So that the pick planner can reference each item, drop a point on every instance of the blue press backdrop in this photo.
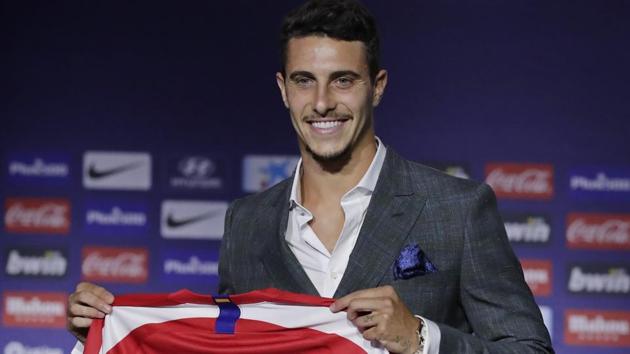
(471, 82)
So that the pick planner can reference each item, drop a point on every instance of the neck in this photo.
(330, 180)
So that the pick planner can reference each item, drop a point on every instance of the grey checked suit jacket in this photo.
(478, 296)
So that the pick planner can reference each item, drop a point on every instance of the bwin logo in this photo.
(528, 229)
(613, 281)
(47, 263)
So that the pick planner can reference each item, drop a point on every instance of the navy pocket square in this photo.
(412, 262)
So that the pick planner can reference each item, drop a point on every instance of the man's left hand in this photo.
(381, 315)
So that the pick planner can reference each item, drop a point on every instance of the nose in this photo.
(324, 102)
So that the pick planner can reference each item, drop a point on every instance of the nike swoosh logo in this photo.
(174, 223)
(95, 173)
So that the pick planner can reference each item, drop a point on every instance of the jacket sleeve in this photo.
(498, 303)
(225, 279)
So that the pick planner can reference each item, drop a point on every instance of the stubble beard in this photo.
(336, 160)
(332, 157)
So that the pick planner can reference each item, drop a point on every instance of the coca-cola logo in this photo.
(526, 181)
(111, 264)
(37, 215)
(598, 231)
(28, 309)
(597, 328)
(537, 274)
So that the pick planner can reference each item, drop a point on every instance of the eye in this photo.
(344, 82)
(303, 81)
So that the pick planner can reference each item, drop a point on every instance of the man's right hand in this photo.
(89, 301)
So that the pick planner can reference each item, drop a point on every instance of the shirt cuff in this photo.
(432, 336)
(78, 348)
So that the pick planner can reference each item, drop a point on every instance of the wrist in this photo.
(416, 342)
(420, 337)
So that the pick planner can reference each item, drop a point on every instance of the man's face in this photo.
(329, 94)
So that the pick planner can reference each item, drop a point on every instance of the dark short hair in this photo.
(346, 20)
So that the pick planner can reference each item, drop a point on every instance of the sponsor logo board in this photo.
(38, 169)
(113, 264)
(603, 183)
(40, 262)
(189, 265)
(37, 215)
(599, 279)
(116, 217)
(527, 228)
(538, 275)
(17, 347)
(188, 219)
(597, 328)
(263, 171)
(598, 231)
(521, 180)
(117, 170)
(34, 309)
(196, 173)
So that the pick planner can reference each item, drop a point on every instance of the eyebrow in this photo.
(338, 74)
(295, 74)
(334, 75)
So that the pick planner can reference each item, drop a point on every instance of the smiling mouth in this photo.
(329, 124)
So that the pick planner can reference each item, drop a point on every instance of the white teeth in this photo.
(326, 124)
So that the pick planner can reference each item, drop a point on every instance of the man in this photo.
(418, 260)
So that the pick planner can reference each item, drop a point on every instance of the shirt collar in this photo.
(367, 182)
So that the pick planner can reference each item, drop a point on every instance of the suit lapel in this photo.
(392, 212)
(281, 264)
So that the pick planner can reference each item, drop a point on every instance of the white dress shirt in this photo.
(325, 269)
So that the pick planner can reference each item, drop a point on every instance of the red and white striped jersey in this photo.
(263, 321)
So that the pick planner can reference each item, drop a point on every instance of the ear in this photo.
(283, 88)
(380, 82)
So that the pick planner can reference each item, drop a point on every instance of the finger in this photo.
(366, 321)
(372, 334)
(360, 306)
(342, 302)
(104, 294)
(80, 322)
(382, 333)
(96, 290)
(77, 310)
(91, 300)
(393, 344)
